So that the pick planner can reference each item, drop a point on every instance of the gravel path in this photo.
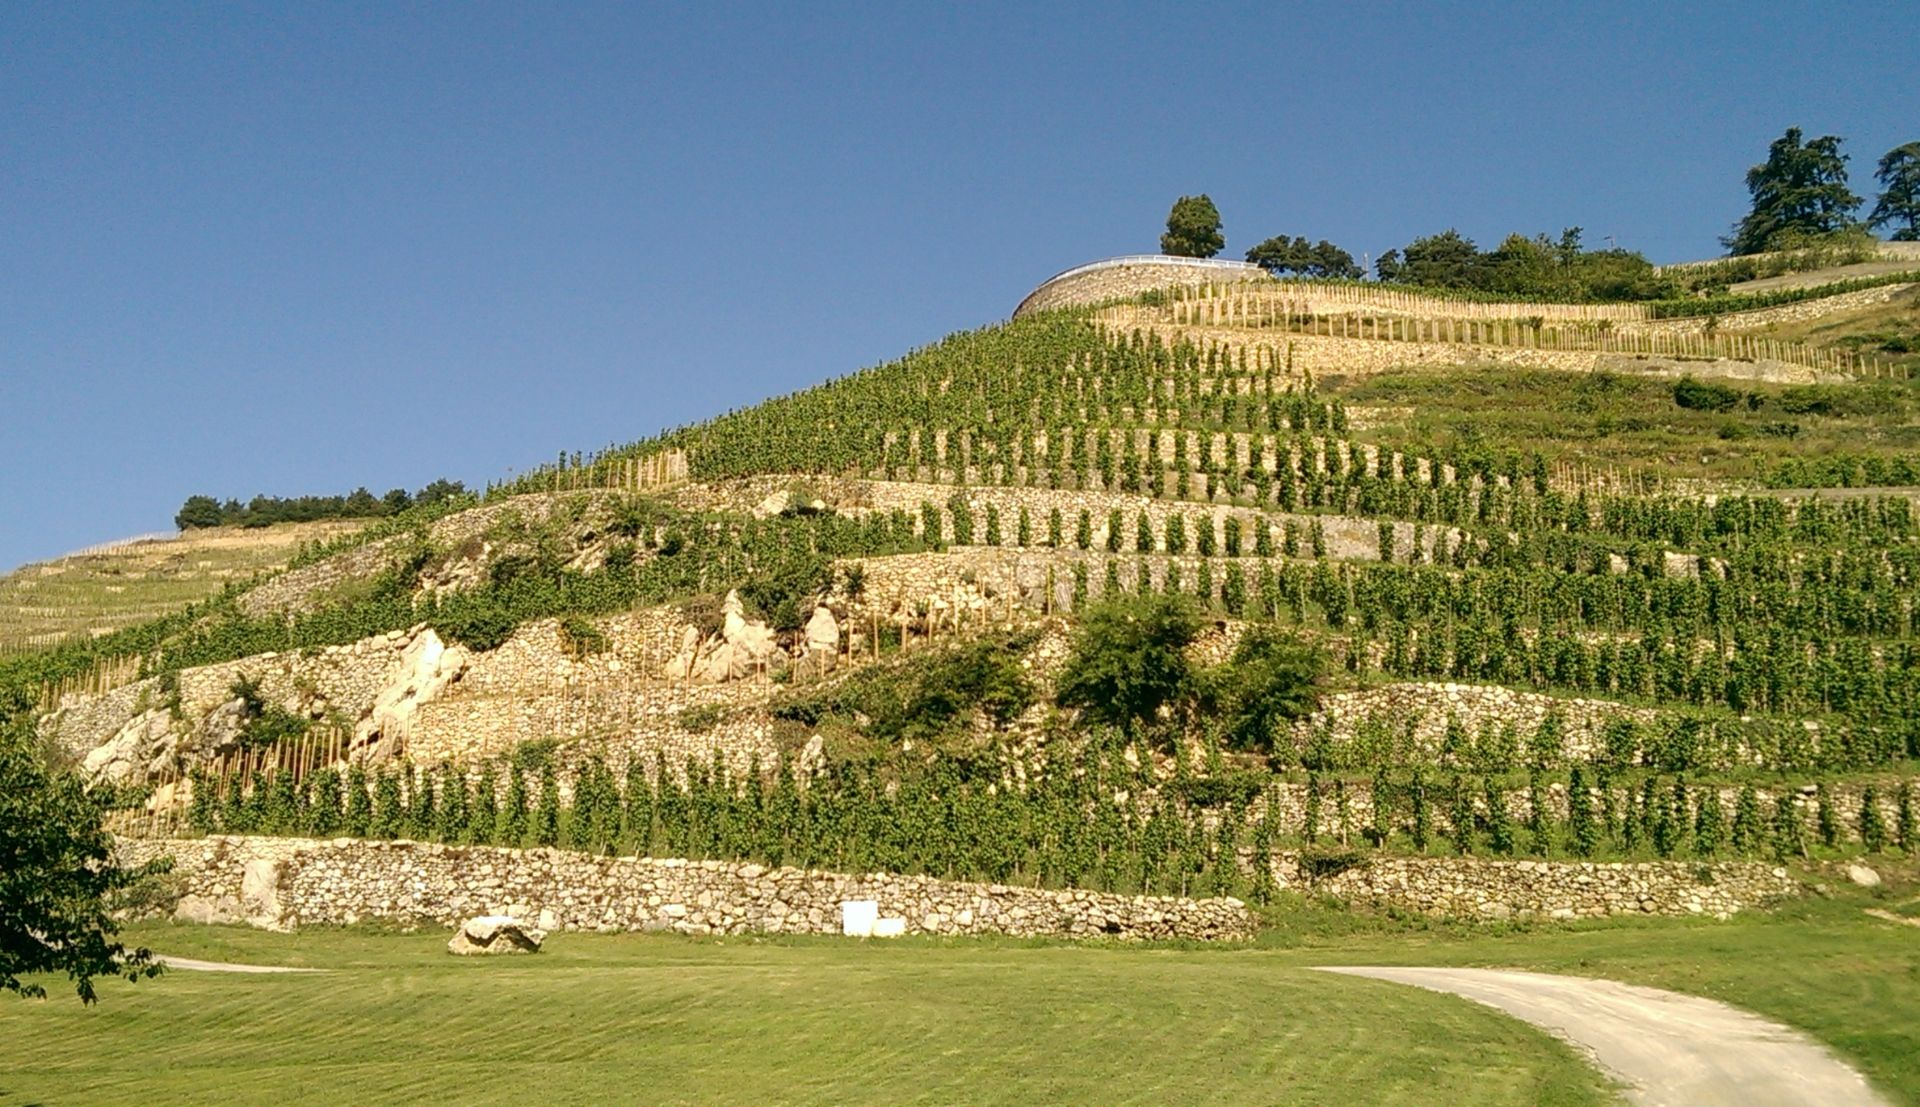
(191, 965)
(1668, 1048)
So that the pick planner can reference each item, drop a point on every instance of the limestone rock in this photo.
(426, 667)
(133, 750)
(1863, 876)
(495, 934)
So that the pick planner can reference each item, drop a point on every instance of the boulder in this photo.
(495, 934)
(1863, 876)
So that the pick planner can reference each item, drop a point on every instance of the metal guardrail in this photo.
(1151, 259)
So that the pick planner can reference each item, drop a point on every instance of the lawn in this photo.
(660, 1019)
(663, 1019)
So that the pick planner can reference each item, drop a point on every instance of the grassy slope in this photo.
(1626, 422)
(659, 1019)
(103, 591)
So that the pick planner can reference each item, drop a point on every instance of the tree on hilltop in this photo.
(1445, 260)
(56, 874)
(1799, 193)
(1193, 228)
(1899, 203)
(1280, 254)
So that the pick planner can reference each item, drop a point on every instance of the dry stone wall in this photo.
(289, 882)
(1467, 888)
(1427, 707)
(1783, 315)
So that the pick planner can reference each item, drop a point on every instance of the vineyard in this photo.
(1756, 657)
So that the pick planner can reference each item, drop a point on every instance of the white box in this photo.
(858, 916)
(889, 927)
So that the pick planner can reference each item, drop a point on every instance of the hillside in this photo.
(845, 628)
(108, 587)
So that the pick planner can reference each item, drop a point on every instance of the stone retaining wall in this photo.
(1466, 888)
(1784, 314)
(1099, 282)
(287, 882)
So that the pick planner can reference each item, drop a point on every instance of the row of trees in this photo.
(262, 511)
(1800, 196)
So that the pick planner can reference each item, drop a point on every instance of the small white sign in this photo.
(858, 916)
(889, 928)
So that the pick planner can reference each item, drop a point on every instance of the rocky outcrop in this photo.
(427, 667)
(743, 647)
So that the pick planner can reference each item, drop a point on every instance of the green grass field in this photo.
(656, 1019)
(661, 1019)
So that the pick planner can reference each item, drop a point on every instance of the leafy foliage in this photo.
(1193, 228)
(1129, 660)
(57, 877)
(1799, 194)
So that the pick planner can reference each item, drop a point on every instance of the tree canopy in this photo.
(1273, 677)
(262, 511)
(1525, 268)
(1280, 254)
(1899, 203)
(1193, 228)
(56, 874)
(1129, 660)
(1799, 193)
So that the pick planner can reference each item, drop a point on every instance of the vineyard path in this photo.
(1667, 1048)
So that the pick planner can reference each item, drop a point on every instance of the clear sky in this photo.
(296, 248)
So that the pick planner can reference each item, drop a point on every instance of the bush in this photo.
(1273, 677)
(1701, 396)
(1129, 660)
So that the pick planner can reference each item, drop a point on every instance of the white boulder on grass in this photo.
(495, 934)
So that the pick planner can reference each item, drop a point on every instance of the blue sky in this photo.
(300, 248)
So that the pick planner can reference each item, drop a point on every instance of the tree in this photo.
(1193, 229)
(1799, 192)
(57, 875)
(198, 511)
(1281, 254)
(1273, 677)
(1129, 660)
(1899, 202)
(1444, 260)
